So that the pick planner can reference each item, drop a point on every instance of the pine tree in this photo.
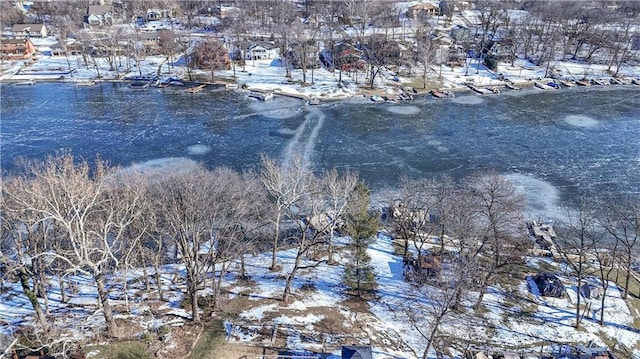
(361, 225)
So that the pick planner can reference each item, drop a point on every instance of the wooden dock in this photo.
(196, 89)
(480, 90)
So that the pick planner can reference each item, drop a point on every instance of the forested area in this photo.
(66, 218)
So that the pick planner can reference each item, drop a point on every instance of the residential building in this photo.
(99, 16)
(16, 49)
(29, 30)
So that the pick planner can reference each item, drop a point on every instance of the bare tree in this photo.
(433, 304)
(605, 250)
(24, 234)
(236, 222)
(501, 240)
(425, 52)
(337, 191)
(622, 222)
(306, 233)
(168, 46)
(576, 236)
(411, 214)
(283, 15)
(185, 207)
(286, 185)
(211, 54)
(90, 215)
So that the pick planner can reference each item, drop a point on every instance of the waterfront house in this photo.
(17, 49)
(29, 30)
(422, 10)
(99, 16)
(262, 51)
(346, 56)
(157, 14)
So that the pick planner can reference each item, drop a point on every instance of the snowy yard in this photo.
(321, 315)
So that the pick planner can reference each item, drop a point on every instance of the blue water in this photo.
(562, 143)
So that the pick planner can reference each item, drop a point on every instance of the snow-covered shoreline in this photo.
(318, 84)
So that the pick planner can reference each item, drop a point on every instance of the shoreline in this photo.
(388, 92)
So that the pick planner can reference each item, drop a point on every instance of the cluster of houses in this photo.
(346, 55)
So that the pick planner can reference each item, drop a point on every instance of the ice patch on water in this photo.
(198, 149)
(305, 136)
(468, 100)
(162, 167)
(437, 145)
(404, 110)
(286, 132)
(280, 108)
(542, 198)
(580, 121)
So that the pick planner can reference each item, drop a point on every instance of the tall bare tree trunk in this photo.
(33, 298)
(112, 327)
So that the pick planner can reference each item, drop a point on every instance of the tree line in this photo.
(65, 217)
(541, 31)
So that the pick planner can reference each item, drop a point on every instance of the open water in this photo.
(553, 145)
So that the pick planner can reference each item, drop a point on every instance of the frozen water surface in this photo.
(468, 100)
(542, 138)
(198, 149)
(542, 198)
(278, 108)
(404, 110)
(580, 121)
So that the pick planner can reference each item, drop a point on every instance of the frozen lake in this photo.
(554, 144)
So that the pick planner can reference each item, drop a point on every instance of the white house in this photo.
(99, 15)
(261, 52)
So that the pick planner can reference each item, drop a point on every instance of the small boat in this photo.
(313, 101)
(583, 82)
(616, 81)
(267, 96)
(405, 96)
(376, 98)
(554, 85)
(624, 80)
(231, 86)
(542, 86)
(437, 93)
(147, 78)
(511, 86)
(494, 89)
(195, 89)
(599, 82)
(567, 83)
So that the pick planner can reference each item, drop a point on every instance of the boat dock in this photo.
(480, 90)
(196, 89)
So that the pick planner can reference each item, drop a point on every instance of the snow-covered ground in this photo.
(267, 75)
(320, 312)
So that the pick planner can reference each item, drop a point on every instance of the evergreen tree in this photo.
(362, 226)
